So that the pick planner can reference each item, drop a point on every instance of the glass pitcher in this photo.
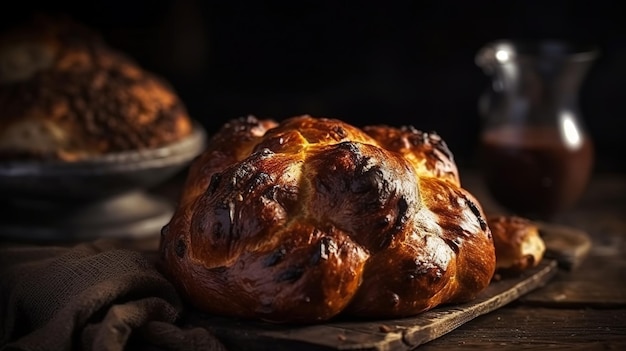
(535, 153)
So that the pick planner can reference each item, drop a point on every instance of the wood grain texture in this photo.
(521, 328)
(397, 334)
(600, 282)
(569, 246)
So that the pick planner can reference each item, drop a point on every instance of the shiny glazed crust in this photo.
(65, 94)
(303, 220)
(518, 243)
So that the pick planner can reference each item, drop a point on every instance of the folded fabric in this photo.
(91, 296)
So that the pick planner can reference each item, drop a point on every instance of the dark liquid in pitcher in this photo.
(534, 172)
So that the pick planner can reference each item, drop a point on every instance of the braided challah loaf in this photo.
(303, 220)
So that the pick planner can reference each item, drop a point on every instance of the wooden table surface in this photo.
(582, 309)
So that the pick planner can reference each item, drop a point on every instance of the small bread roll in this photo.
(518, 243)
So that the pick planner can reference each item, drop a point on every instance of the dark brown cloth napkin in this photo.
(91, 296)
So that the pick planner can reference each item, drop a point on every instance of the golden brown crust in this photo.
(517, 241)
(65, 94)
(427, 151)
(309, 218)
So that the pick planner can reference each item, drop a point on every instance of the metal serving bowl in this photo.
(97, 197)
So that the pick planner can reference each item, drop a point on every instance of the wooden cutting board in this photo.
(394, 334)
(568, 246)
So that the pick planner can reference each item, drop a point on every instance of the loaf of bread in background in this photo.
(65, 94)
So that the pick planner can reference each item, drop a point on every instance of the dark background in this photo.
(395, 62)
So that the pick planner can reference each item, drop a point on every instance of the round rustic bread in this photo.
(65, 94)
